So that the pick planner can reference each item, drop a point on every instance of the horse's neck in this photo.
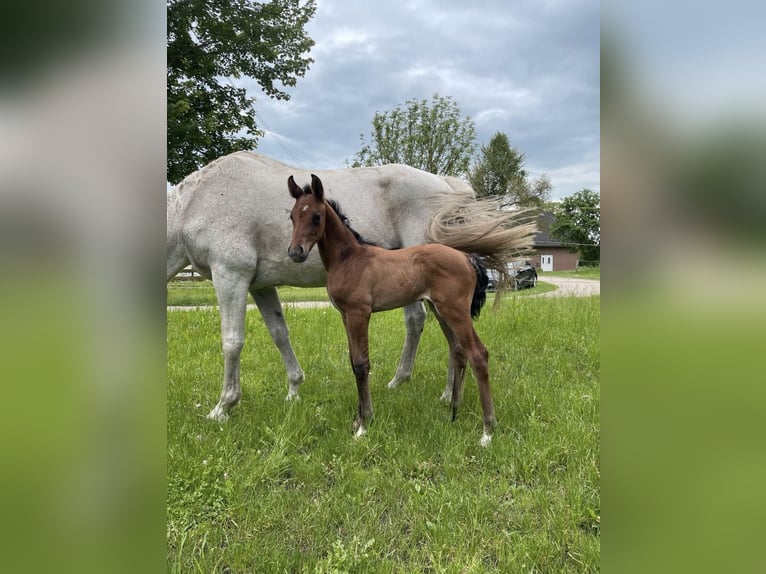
(337, 242)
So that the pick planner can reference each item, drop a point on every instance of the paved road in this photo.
(566, 286)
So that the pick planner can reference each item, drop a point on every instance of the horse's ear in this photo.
(295, 190)
(316, 187)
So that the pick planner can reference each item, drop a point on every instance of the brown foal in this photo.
(363, 279)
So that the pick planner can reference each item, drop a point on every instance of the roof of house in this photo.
(543, 238)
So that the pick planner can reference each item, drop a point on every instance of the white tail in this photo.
(482, 227)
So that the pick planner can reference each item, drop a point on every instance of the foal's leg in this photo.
(446, 395)
(231, 289)
(357, 324)
(271, 310)
(455, 366)
(478, 357)
(414, 319)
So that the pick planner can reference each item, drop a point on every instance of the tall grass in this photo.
(283, 487)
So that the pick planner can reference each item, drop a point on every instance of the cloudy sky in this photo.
(529, 69)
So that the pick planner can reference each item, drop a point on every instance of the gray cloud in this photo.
(530, 70)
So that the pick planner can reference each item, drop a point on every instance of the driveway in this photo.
(571, 286)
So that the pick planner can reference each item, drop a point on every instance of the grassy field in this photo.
(193, 293)
(202, 293)
(283, 487)
(581, 273)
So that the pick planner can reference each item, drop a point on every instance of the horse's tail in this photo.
(482, 281)
(483, 228)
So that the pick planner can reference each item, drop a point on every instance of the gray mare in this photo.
(230, 221)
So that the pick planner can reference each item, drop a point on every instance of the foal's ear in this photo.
(295, 190)
(316, 187)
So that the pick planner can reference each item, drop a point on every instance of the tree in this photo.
(536, 193)
(577, 221)
(435, 138)
(210, 41)
(499, 171)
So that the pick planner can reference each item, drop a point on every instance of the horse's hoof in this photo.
(396, 381)
(218, 414)
(358, 428)
(446, 397)
(485, 440)
(293, 385)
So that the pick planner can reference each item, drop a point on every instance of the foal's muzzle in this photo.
(297, 253)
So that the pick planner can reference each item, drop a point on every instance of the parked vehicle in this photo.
(523, 275)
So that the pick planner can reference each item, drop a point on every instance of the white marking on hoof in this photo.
(360, 432)
(396, 381)
(292, 388)
(218, 414)
(446, 397)
(485, 440)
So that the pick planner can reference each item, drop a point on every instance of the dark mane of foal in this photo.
(343, 217)
(336, 208)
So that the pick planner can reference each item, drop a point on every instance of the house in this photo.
(550, 254)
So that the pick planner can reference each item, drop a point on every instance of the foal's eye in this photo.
(316, 218)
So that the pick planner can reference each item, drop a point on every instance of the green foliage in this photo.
(577, 220)
(435, 138)
(283, 486)
(342, 559)
(499, 171)
(210, 40)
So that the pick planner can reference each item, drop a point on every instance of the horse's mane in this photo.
(336, 208)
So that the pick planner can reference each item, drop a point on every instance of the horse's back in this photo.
(393, 279)
(236, 209)
(390, 205)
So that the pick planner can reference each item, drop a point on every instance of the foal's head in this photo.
(308, 216)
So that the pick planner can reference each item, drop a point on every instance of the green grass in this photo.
(283, 487)
(582, 273)
(539, 289)
(195, 293)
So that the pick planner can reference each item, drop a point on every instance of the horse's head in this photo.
(308, 217)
